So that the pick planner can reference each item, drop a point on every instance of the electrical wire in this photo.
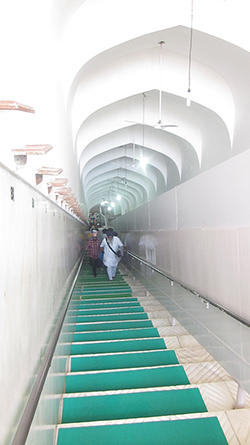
(190, 46)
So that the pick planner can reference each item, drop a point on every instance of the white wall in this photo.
(40, 244)
(199, 233)
(31, 76)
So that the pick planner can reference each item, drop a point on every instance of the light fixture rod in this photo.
(190, 46)
(143, 116)
(160, 75)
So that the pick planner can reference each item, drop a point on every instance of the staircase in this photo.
(135, 379)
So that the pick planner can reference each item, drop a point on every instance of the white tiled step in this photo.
(206, 372)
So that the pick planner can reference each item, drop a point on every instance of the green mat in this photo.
(117, 346)
(115, 335)
(204, 431)
(101, 283)
(108, 305)
(102, 311)
(103, 290)
(115, 380)
(108, 300)
(132, 406)
(90, 279)
(110, 326)
(119, 361)
(89, 295)
(132, 316)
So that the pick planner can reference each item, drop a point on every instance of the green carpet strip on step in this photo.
(203, 431)
(112, 305)
(117, 346)
(108, 300)
(100, 287)
(104, 283)
(119, 361)
(129, 379)
(113, 309)
(107, 294)
(132, 405)
(117, 317)
(109, 320)
(107, 289)
(116, 335)
(102, 311)
(95, 290)
(114, 325)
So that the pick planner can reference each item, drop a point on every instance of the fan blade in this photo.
(158, 125)
(133, 122)
(164, 126)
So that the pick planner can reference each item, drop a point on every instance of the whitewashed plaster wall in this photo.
(199, 233)
(31, 76)
(40, 245)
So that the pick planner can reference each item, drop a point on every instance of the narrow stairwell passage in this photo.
(135, 379)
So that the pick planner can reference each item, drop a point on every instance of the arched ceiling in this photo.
(112, 78)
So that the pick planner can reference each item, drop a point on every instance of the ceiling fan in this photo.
(159, 124)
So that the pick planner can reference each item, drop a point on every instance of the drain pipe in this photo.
(30, 409)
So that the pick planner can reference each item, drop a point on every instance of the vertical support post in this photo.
(240, 398)
(173, 321)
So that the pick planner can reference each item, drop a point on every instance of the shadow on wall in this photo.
(145, 248)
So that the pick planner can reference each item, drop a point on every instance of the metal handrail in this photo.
(197, 294)
(30, 408)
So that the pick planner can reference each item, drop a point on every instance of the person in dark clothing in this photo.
(93, 249)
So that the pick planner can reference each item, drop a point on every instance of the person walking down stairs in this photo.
(112, 249)
(93, 249)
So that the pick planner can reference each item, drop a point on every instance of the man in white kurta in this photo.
(110, 259)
